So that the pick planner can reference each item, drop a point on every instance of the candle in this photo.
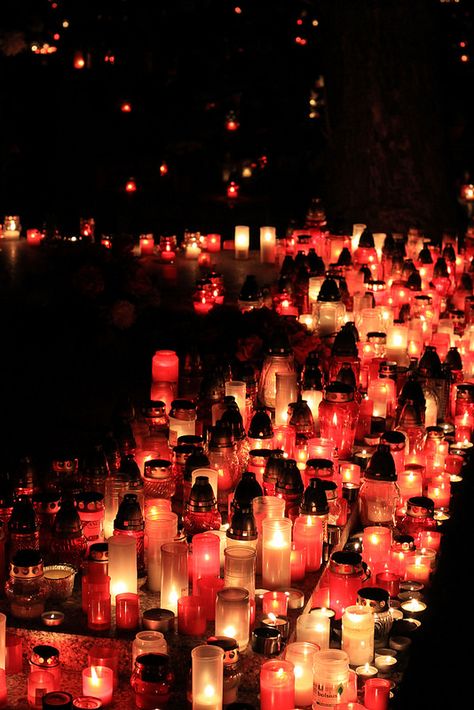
(233, 615)
(301, 654)
(3, 688)
(314, 627)
(13, 654)
(308, 532)
(365, 672)
(33, 237)
(191, 616)
(275, 602)
(50, 618)
(127, 611)
(358, 628)
(385, 663)
(418, 569)
(238, 390)
(193, 250)
(376, 542)
(99, 615)
(281, 623)
(276, 549)
(413, 608)
(98, 682)
(122, 565)
(3, 635)
(147, 244)
(267, 245)
(174, 574)
(213, 243)
(165, 366)
(207, 677)
(242, 242)
(350, 472)
(285, 393)
(11, 227)
(388, 581)
(377, 694)
(331, 677)
(277, 685)
(160, 527)
(158, 620)
(429, 539)
(39, 683)
(208, 588)
(439, 490)
(205, 558)
(107, 657)
(298, 562)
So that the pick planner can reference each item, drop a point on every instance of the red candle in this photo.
(191, 616)
(297, 562)
(208, 588)
(419, 569)
(213, 242)
(376, 693)
(127, 610)
(388, 581)
(33, 236)
(376, 542)
(439, 490)
(165, 366)
(429, 539)
(147, 245)
(308, 532)
(203, 306)
(99, 604)
(277, 685)
(275, 602)
(205, 558)
(167, 255)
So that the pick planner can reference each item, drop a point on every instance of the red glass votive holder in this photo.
(208, 588)
(127, 611)
(377, 693)
(297, 563)
(107, 656)
(191, 616)
(388, 581)
(275, 602)
(13, 654)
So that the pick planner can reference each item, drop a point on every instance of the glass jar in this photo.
(223, 458)
(346, 576)
(46, 658)
(182, 420)
(331, 677)
(129, 523)
(159, 480)
(338, 414)
(278, 358)
(46, 505)
(233, 615)
(152, 681)
(329, 310)
(273, 468)
(156, 418)
(379, 494)
(148, 642)
(232, 666)
(289, 485)
(201, 511)
(68, 543)
(419, 517)
(26, 589)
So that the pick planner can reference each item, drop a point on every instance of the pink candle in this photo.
(410, 483)
(98, 682)
(275, 602)
(297, 562)
(350, 472)
(418, 569)
(376, 542)
(376, 693)
(127, 610)
(277, 685)
(205, 558)
(308, 532)
(439, 490)
(191, 616)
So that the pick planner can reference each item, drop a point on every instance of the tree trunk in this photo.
(386, 162)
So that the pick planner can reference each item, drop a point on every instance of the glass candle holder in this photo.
(174, 574)
(107, 656)
(39, 683)
(301, 654)
(127, 611)
(207, 677)
(160, 527)
(152, 680)
(46, 658)
(191, 616)
(358, 628)
(314, 628)
(377, 693)
(308, 532)
(376, 543)
(98, 682)
(277, 685)
(241, 242)
(148, 642)
(205, 558)
(13, 654)
(208, 588)
(345, 576)
(331, 677)
(99, 616)
(233, 615)
(276, 552)
(275, 602)
(122, 565)
(265, 507)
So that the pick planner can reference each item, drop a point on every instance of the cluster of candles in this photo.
(382, 425)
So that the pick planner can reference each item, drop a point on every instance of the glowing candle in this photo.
(193, 250)
(237, 389)
(418, 569)
(160, 527)
(301, 654)
(308, 532)
(33, 237)
(233, 615)
(285, 393)
(207, 677)
(430, 539)
(410, 483)
(3, 624)
(191, 616)
(350, 472)
(298, 562)
(122, 565)
(331, 677)
(376, 693)
(127, 611)
(174, 574)
(205, 558)
(376, 543)
(98, 682)
(165, 366)
(242, 242)
(147, 245)
(276, 602)
(276, 549)
(358, 628)
(439, 490)
(213, 243)
(277, 685)
(267, 245)
(314, 627)
(11, 227)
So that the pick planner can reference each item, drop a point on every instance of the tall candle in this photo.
(207, 677)
(301, 654)
(205, 558)
(174, 574)
(213, 243)
(122, 565)
(376, 543)
(267, 245)
(265, 507)
(233, 615)
(39, 683)
(276, 549)
(98, 682)
(308, 532)
(242, 242)
(147, 244)
(358, 628)
(238, 390)
(285, 393)
(277, 685)
(160, 527)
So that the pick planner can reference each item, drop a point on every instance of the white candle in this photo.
(301, 654)
(267, 245)
(242, 242)
(192, 250)
(285, 393)
(122, 565)
(315, 628)
(358, 628)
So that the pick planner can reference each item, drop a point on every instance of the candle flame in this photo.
(94, 677)
(209, 691)
(230, 631)
(272, 617)
(280, 672)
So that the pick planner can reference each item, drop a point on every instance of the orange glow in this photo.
(238, 10)
(464, 58)
(131, 185)
(232, 190)
(94, 676)
(163, 169)
(79, 61)
(467, 192)
(126, 107)
(231, 125)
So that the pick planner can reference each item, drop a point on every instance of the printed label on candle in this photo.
(328, 691)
